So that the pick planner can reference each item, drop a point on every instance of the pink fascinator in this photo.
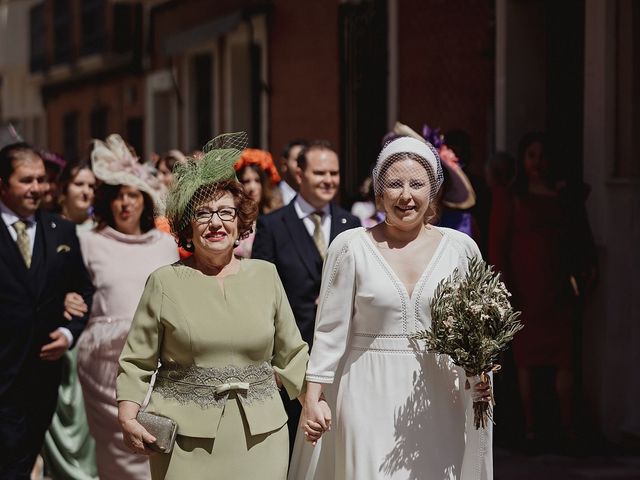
(114, 164)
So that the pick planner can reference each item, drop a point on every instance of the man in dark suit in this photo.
(295, 238)
(40, 262)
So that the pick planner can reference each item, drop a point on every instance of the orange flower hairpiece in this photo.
(262, 158)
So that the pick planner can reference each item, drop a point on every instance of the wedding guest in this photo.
(541, 242)
(166, 163)
(394, 410)
(365, 207)
(499, 170)
(258, 175)
(41, 263)
(220, 327)
(53, 164)
(69, 449)
(77, 185)
(288, 166)
(119, 254)
(164, 167)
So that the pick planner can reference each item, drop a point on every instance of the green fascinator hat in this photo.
(196, 181)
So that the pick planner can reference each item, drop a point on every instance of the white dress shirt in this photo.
(287, 192)
(9, 218)
(304, 210)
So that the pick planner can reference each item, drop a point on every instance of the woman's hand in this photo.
(74, 305)
(135, 435)
(480, 391)
(315, 419)
(278, 380)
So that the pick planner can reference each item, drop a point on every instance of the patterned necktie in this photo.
(24, 244)
(318, 235)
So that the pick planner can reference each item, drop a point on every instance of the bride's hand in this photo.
(315, 420)
(480, 391)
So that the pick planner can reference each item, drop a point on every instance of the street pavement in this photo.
(517, 466)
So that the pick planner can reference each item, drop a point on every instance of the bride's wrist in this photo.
(311, 400)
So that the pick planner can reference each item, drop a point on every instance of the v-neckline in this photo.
(392, 272)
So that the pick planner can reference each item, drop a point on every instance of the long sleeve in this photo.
(139, 357)
(333, 319)
(82, 285)
(290, 352)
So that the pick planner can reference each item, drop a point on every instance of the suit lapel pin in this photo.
(53, 225)
(343, 221)
(63, 248)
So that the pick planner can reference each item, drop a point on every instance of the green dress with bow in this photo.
(218, 347)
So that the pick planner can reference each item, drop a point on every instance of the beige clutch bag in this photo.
(161, 427)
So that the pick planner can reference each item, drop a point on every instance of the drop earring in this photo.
(188, 245)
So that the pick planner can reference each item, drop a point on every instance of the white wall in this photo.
(20, 95)
(613, 317)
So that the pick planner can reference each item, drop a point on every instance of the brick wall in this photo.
(124, 98)
(303, 72)
(446, 68)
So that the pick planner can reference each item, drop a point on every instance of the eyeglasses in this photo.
(226, 214)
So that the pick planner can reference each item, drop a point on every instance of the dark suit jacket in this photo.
(282, 239)
(32, 300)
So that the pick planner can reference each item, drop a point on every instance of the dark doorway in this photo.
(135, 129)
(363, 81)
(565, 85)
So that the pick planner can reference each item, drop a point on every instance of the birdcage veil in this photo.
(197, 181)
(406, 161)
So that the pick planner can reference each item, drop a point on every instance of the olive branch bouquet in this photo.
(472, 321)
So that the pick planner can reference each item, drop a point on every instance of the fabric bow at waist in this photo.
(226, 387)
(210, 387)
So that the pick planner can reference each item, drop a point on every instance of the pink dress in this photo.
(119, 265)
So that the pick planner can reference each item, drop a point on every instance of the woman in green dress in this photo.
(221, 329)
(69, 449)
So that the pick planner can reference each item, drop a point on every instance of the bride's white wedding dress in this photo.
(398, 412)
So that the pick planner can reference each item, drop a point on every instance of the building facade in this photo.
(20, 97)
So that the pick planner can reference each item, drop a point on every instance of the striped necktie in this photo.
(24, 244)
(318, 234)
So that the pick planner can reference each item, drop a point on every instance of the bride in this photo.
(377, 405)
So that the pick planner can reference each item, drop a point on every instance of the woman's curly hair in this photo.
(247, 209)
